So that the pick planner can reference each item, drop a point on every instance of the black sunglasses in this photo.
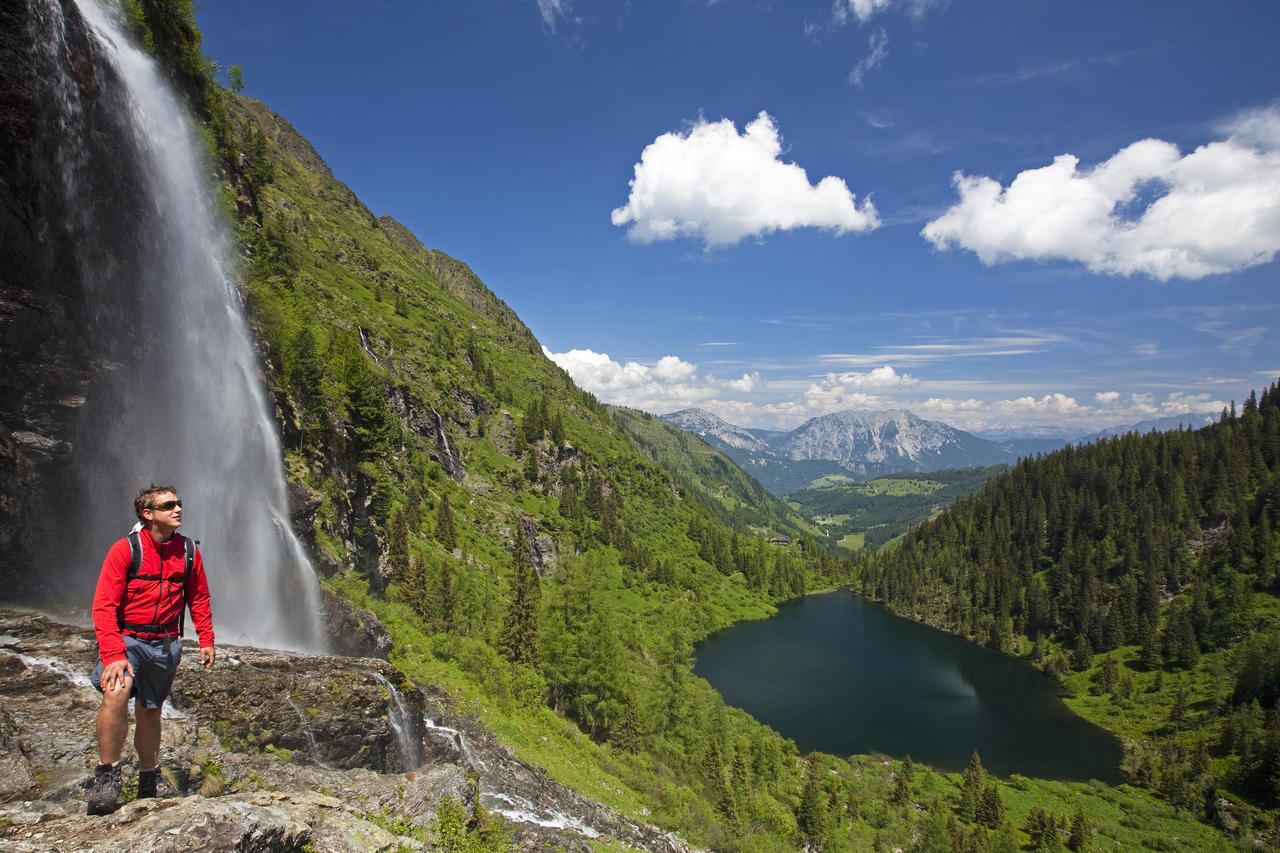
(166, 506)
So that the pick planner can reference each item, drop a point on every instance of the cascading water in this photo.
(408, 742)
(175, 396)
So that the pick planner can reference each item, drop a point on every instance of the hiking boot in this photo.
(104, 796)
(147, 783)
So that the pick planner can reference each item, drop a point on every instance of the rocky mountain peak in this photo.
(706, 425)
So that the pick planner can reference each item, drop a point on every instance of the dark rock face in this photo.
(352, 630)
(291, 752)
(49, 350)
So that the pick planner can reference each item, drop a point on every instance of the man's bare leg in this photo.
(146, 736)
(113, 723)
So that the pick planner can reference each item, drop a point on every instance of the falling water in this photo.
(408, 745)
(178, 398)
(455, 739)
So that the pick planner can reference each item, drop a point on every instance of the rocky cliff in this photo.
(269, 751)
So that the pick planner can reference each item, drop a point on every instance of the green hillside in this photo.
(880, 510)
(528, 549)
(714, 480)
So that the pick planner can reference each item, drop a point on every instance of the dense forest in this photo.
(1145, 559)
(552, 562)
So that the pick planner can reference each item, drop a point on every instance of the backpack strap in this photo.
(135, 556)
(189, 545)
(135, 568)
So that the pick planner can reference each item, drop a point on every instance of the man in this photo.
(137, 615)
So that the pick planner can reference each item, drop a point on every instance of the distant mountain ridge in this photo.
(1166, 424)
(873, 444)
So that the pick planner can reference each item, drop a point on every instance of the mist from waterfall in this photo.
(177, 398)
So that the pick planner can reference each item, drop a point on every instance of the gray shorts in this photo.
(153, 670)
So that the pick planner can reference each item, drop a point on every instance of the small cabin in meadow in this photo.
(781, 539)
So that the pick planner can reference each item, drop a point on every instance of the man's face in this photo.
(165, 512)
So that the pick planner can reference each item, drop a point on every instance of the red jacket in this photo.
(149, 602)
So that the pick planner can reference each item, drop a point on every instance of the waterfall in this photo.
(408, 744)
(455, 739)
(175, 395)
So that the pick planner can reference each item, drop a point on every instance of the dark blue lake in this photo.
(840, 674)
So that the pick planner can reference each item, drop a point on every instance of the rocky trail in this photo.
(269, 751)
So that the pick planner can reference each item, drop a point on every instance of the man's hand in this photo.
(114, 675)
(207, 654)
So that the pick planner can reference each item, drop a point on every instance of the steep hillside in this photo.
(720, 486)
(516, 541)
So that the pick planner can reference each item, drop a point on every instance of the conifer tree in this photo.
(531, 465)
(626, 734)
(990, 811)
(975, 778)
(445, 533)
(812, 816)
(445, 595)
(398, 545)
(519, 641)
(413, 589)
(718, 786)
(1081, 829)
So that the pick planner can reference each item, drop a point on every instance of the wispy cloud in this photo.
(918, 354)
(722, 186)
(1059, 68)
(554, 13)
(877, 52)
(1208, 212)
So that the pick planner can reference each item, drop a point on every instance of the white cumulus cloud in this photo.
(1050, 403)
(749, 382)
(722, 186)
(668, 384)
(1148, 209)
(854, 390)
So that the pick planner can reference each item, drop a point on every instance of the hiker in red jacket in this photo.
(148, 579)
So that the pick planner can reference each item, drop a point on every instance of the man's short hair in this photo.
(147, 496)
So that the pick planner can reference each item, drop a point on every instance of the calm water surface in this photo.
(842, 675)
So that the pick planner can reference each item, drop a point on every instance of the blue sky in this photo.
(1031, 216)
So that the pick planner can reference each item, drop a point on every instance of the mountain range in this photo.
(873, 444)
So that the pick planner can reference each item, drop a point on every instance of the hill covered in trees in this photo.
(1143, 571)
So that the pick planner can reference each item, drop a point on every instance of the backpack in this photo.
(135, 567)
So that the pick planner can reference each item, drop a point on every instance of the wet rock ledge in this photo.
(269, 751)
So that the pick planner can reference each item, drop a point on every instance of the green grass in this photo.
(853, 541)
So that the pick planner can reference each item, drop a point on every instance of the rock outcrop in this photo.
(269, 751)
